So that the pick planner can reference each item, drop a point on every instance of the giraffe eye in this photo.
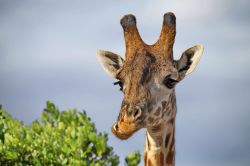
(120, 84)
(169, 82)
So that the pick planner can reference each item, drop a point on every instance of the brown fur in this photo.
(156, 159)
(150, 162)
(144, 63)
(147, 77)
(158, 111)
(156, 129)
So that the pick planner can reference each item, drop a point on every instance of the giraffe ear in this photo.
(110, 62)
(189, 60)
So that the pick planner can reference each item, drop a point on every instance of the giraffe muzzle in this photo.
(128, 124)
(116, 130)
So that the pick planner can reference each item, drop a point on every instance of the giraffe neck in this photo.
(160, 140)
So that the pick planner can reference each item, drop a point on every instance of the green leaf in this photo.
(133, 159)
(63, 138)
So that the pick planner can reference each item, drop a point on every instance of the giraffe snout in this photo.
(119, 133)
(128, 122)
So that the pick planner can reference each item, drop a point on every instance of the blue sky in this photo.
(47, 52)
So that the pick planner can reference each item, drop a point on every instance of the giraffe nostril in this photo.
(137, 113)
(116, 127)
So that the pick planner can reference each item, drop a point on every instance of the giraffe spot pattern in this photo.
(150, 162)
(158, 111)
(150, 109)
(167, 139)
(170, 151)
(158, 159)
(170, 158)
(172, 120)
(161, 159)
(164, 103)
(156, 129)
(159, 140)
(150, 120)
(145, 158)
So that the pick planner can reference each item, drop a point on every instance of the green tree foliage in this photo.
(59, 138)
(133, 159)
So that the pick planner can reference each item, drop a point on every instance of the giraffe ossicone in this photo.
(147, 77)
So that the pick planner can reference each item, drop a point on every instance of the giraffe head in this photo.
(147, 76)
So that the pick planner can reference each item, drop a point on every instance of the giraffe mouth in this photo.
(119, 133)
(121, 136)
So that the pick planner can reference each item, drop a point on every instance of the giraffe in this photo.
(147, 77)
